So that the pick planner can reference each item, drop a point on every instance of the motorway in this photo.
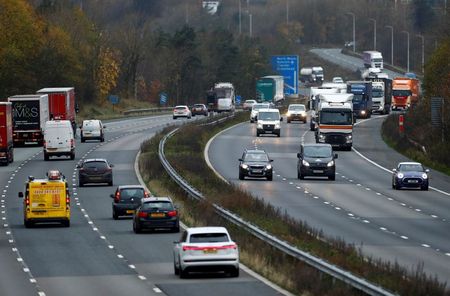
(96, 255)
(407, 226)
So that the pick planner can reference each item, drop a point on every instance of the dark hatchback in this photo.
(410, 174)
(199, 109)
(316, 160)
(127, 199)
(96, 170)
(155, 213)
(255, 164)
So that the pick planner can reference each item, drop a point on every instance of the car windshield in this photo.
(256, 157)
(297, 108)
(269, 115)
(198, 106)
(401, 92)
(410, 168)
(223, 92)
(158, 205)
(91, 124)
(180, 108)
(257, 107)
(338, 117)
(209, 238)
(317, 151)
(128, 193)
(95, 165)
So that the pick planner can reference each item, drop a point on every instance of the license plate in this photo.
(25, 135)
(317, 171)
(130, 211)
(257, 171)
(413, 181)
(210, 251)
(157, 215)
(52, 149)
(38, 212)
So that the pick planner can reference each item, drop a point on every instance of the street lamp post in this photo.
(240, 18)
(407, 50)
(423, 52)
(354, 41)
(287, 12)
(374, 33)
(392, 43)
(251, 25)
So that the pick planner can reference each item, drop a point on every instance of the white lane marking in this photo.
(425, 245)
(404, 237)
(157, 290)
(132, 266)
(141, 277)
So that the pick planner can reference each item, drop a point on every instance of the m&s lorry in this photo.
(405, 92)
(6, 134)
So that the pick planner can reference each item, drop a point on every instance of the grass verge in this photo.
(185, 153)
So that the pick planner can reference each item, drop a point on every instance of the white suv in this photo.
(209, 248)
(181, 111)
(269, 122)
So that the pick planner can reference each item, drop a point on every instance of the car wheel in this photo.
(257, 134)
(235, 272)
(72, 156)
(251, 121)
(241, 176)
(393, 185)
(66, 223)
(102, 139)
(288, 121)
(114, 215)
(27, 224)
(174, 117)
(189, 117)
(424, 187)
(46, 157)
(183, 273)
(348, 148)
(110, 183)
(332, 177)
(82, 140)
(136, 228)
(300, 176)
(176, 270)
(176, 229)
(270, 177)
(279, 135)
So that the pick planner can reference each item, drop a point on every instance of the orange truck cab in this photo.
(405, 92)
(46, 200)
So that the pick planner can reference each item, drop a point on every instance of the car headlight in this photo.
(363, 112)
(425, 176)
(305, 163)
(303, 114)
(268, 167)
(288, 113)
(277, 125)
(330, 163)
(400, 175)
(349, 138)
(244, 166)
(260, 125)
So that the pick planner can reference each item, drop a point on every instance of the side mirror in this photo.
(298, 155)
(111, 165)
(281, 118)
(20, 194)
(176, 242)
(240, 159)
(111, 195)
(427, 171)
(335, 155)
(104, 126)
(270, 160)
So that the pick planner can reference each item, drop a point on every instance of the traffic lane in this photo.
(368, 141)
(150, 253)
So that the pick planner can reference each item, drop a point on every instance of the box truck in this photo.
(6, 134)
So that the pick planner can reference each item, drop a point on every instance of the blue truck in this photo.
(362, 98)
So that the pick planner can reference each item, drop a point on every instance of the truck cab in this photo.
(362, 98)
(405, 92)
(373, 59)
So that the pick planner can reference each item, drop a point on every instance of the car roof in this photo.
(255, 151)
(130, 186)
(179, 106)
(94, 159)
(250, 100)
(409, 162)
(316, 145)
(271, 110)
(156, 198)
(208, 229)
(296, 105)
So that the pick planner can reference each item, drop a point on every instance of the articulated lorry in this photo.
(270, 89)
(311, 75)
(373, 59)
(405, 92)
(313, 102)
(381, 95)
(6, 134)
(335, 120)
(30, 112)
(362, 98)
(224, 92)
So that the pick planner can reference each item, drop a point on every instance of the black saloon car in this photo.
(96, 170)
(127, 199)
(316, 160)
(255, 164)
(410, 174)
(156, 212)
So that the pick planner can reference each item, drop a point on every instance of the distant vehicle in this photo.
(316, 160)
(59, 139)
(318, 75)
(92, 129)
(296, 112)
(6, 133)
(335, 120)
(30, 112)
(95, 170)
(256, 164)
(126, 199)
(182, 111)
(362, 98)
(199, 109)
(381, 95)
(410, 75)
(405, 92)
(341, 87)
(270, 89)
(338, 79)
(269, 122)
(248, 104)
(410, 174)
(205, 248)
(255, 110)
(348, 44)
(211, 100)
(46, 200)
(373, 59)
(226, 98)
(154, 213)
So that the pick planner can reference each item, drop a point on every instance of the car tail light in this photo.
(232, 246)
(142, 215)
(146, 194)
(117, 196)
(67, 200)
(192, 248)
(172, 214)
(27, 201)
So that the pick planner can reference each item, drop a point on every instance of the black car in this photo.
(410, 174)
(127, 199)
(156, 212)
(255, 164)
(199, 109)
(316, 160)
(96, 170)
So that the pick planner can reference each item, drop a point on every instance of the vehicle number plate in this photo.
(317, 171)
(413, 181)
(157, 215)
(130, 211)
(210, 251)
(257, 171)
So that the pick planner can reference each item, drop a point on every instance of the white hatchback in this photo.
(205, 249)
(92, 129)
(181, 111)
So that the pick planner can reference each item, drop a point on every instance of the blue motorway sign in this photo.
(287, 66)
(113, 99)
(238, 100)
(162, 98)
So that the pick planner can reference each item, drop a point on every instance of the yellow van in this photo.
(46, 200)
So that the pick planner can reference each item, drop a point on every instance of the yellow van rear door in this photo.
(47, 199)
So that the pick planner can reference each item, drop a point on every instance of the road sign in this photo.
(113, 99)
(287, 66)
(436, 111)
(238, 100)
(162, 98)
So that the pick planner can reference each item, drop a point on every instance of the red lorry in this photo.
(61, 103)
(405, 92)
(6, 133)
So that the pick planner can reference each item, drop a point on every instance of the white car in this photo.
(92, 129)
(338, 79)
(296, 112)
(205, 248)
(248, 104)
(181, 111)
(255, 110)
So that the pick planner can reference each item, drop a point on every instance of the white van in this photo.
(92, 130)
(269, 122)
(58, 139)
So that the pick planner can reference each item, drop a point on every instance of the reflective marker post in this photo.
(400, 124)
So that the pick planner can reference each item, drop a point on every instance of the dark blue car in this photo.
(410, 174)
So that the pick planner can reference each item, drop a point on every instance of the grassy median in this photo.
(185, 152)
